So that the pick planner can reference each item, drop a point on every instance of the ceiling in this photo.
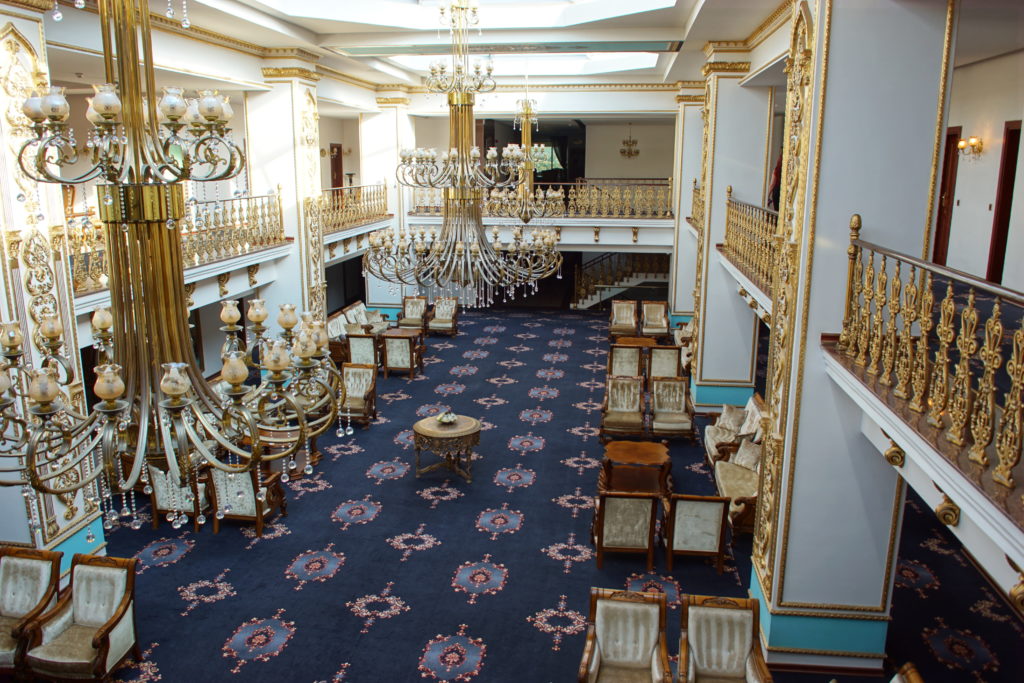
(988, 28)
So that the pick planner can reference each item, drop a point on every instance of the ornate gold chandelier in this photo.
(155, 407)
(460, 260)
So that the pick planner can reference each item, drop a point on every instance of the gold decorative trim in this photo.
(39, 5)
(691, 99)
(290, 53)
(713, 46)
(829, 615)
(894, 455)
(290, 72)
(690, 84)
(769, 25)
(252, 271)
(222, 283)
(392, 101)
(1016, 593)
(724, 67)
(575, 87)
(947, 511)
(825, 653)
(190, 290)
(940, 133)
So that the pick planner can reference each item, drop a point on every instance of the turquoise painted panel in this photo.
(389, 312)
(77, 543)
(715, 395)
(828, 634)
(673, 319)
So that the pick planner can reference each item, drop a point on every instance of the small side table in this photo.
(636, 466)
(453, 443)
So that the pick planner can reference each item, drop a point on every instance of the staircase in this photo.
(613, 273)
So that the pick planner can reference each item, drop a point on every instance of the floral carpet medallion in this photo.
(526, 443)
(587, 406)
(432, 409)
(585, 431)
(257, 640)
(475, 354)
(536, 416)
(453, 658)
(450, 389)
(482, 577)
(558, 622)
(206, 592)
(581, 463)
(315, 565)
(511, 364)
(412, 542)
(515, 477)
(374, 607)
(404, 439)
(393, 396)
(656, 583)
(270, 532)
(501, 521)
(356, 512)
(494, 329)
(560, 343)
(463, 370)
(440, 494)
(502, 381)
(314, 484)
(555, 357)
(550, 373)
(146, 671)
(568, 552)
(489, 402)
(485, 341)
(337, 450)
(960, 649)
(520, 348)
(543, 393)
(575, 502)
(163, 552)
(387, 470)
(563, 331)
(916, 575)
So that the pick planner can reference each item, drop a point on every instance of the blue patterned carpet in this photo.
(377, 576)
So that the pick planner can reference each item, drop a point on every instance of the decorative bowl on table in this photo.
(447, 418)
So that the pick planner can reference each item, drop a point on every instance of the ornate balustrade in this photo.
(697, 208)
(345, 207)
(211, 231)
(945, 351)
(750, 240)
(585, 198)
(614, 267)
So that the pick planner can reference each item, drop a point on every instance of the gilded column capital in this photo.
(392, 101)
(302, 73)
(724, 67)
(690, 99)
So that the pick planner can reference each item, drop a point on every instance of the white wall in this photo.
(346, 133)
(431, 131)
(655, 142)
(983, 97)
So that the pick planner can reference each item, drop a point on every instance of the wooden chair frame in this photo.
(415, 356)
(590, 645)
(370, 398)
(423, 318)
(669, 525)
(910, 673)
(597, 533)
(611, 318)
(750, 604)
(643, 320)
(100, 641)
(605, 433)
(454, 331)
(275, 500)
(337, 347)
(688, 407)
(18, 633)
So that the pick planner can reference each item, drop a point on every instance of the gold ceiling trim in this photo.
(40, 5)
(290, 72)
(385, 101)
(696, 99)
(334, 74)
(766, 28)
(690, 84)
(724, 67)
(291, 53)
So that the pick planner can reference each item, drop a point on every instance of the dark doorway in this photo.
(950, 160)
(1004, 201)
(337, 168)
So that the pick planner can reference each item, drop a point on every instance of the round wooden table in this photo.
(453, 443)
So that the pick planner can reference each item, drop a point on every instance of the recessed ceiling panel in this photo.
(509, 48)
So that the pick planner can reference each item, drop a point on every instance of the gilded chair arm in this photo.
(661, 670)
(590, 652)
(757, 668)
(684, 657)
(100, 640)
(50, 624)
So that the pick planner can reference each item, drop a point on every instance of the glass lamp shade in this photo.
(257, 311)
(276, 356)
(229, 313)
(102, 320)
(287, 318)
(172, 105)
(210, 106)
(51, 327)
(109, 385)
(226, 110)
(105, 102)
(175, 383)
(91, 115)
(42, 385)
(234, 371)
(55, 104)
(304, 346)
(32, 107)
(319, 333)
(10, 335)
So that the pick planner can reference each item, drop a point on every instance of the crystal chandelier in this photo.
(460, 260)
(155, 408)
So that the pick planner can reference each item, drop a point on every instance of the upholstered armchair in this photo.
(732, 425)
(360, 404)
(671, 407)
(29, 581)
(655, 319)
(91, 630)
(445, 318)
(720, 641)
(665, 361)
(907, 674)
(169, 495)
(737, 479)
(238, 495)
(625, 360)
(695, 525)
(363, 320)
(414, 313)
(363, 350)
(625, 638)
(623, 411)
(402, 354)
(336, 337)
(624, 522)
(623, 322)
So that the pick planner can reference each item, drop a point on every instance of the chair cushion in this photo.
(713, 436)
(96, 593)
(719, 640)
(748, 455)
(22, 584)
(627, 633)
(623, 420)
(656, 329)
(71, 652)
(735, 482)
(751, 423)
(8, 645)
(731, 418)
(672, 422)
(410, 322)
(622, 329)
(228, 488)
(336, 327)
(617, 673)
(697, 526)
(440, 324)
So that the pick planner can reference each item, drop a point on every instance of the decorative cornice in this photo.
(693, 99)
(713, 46)
(690, 84)
(724, 67)
(329, 72)
(38, 5)
(392, 101)
(290, 72)
(768, 26)
(393, 87)
(291, 53)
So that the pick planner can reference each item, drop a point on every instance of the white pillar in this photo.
(689, 129)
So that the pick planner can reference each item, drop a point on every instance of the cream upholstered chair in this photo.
(624, 522)
(731, 425)
(907, 674)
(364, 320)
(363, 350)
(168, 495)
(720, 641)
(625, 360)
(654, 322)
(665, 361)
(402, 354)
(625, 638)
(91, 630)
(237, 495)
(360, 404)
(695, 525)
(29, 580)
(445, 318)
(414, 313)
(623, 321)
(737, 480)
(336, 337)
(671, 407)
(623, 411)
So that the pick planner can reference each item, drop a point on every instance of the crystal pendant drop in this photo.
(285, 478)
(340, 433)
(169, 517)
(349, 431)
(148, 490)
(107, 525)
(136, 524)
(220, 514)
(308, 469)
(90, 537)
(125, 512)
(227, 509)
(262, 495)
(292, 464)
(201, 519)
(240, 494)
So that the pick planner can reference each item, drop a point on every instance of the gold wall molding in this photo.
(38, 5)
(825, 653)
(252, 271)
(290, 72)
(713, 46)
(947, 511)
(222, 283)
(393, 101)
(724, 67)
(290, 53)
(894, 455)
(575, 87)
(690, 99)
(1016, 593)
(311, 243)
(190, 291)
(781, 15)
(940, 133)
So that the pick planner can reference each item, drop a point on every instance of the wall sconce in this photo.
(972, 146)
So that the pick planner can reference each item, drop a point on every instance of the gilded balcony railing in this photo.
(697, 208)
(345, 207)
(945, 351)
(750, 240)
(611, 269)
(585, 198)
(211, 231)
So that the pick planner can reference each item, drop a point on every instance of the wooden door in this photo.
(950, 159)
(1004, 201)
(337, 168)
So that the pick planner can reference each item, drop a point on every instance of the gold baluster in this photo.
(945, 331)
(868, 294)
(1008, 434)
(889, 337)
(984, 409)
(961, 397)
(905, 352)
(855, 287)
(921, 365)
(877, 330)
